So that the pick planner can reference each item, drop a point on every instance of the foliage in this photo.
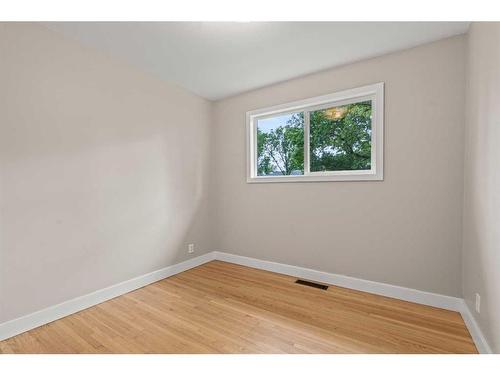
(340, 140)
(342, 143)
(282, 149)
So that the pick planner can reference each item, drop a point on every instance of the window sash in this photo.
(307, 140)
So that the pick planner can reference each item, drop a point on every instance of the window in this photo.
(336, 137)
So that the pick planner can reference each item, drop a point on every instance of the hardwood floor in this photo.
(225, 308)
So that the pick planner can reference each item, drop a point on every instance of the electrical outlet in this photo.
(478, 303)
(191, 248)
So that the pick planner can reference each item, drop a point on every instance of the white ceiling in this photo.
(220, 59)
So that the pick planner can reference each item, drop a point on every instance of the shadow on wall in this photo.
(481, 204)
(103, 171)
(95, 217)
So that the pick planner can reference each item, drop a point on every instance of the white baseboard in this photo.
(39, 318)
(387, 290)
(477, 335)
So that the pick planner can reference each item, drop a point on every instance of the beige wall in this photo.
(405, 230)
(481, 237)
(103, 171)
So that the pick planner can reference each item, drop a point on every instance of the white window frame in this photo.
(374, 92)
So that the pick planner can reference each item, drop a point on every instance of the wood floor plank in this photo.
(226, 308)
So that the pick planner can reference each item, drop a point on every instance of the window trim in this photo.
(374, 92)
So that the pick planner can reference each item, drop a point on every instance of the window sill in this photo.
(338, 176)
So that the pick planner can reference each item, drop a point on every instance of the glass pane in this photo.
(280, 145)
(340, 138)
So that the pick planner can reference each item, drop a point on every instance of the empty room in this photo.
(199, 187)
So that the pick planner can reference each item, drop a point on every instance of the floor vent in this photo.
(311, 284)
